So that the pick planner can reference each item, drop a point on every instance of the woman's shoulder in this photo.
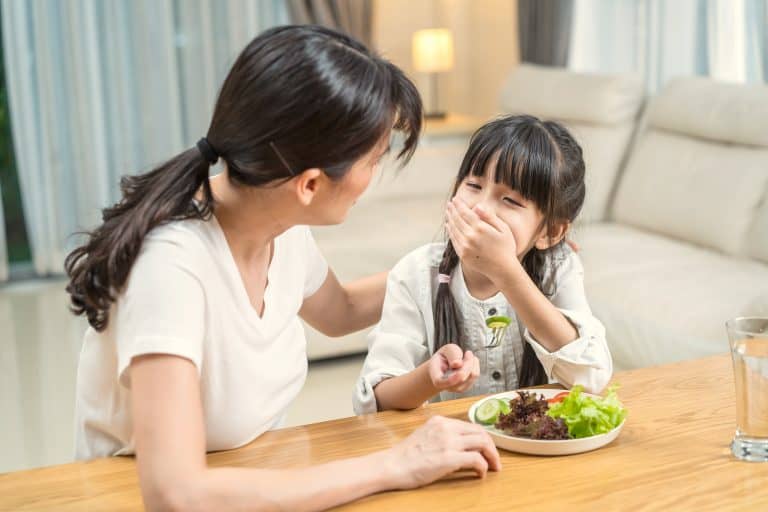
(188, 242)
(182, 232)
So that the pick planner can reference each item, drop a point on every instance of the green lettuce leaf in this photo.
(586, 416)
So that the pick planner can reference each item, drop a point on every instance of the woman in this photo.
(193, 285)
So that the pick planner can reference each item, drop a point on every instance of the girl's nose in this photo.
(486, 204)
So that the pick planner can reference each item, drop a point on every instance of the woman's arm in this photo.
(336, 309)
(169, 436)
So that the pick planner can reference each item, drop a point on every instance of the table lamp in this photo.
(432, 54)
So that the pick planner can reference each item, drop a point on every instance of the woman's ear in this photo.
(553, 237)
(307, 184)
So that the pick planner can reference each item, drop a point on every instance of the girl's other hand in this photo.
(440, 447)
(450, 369)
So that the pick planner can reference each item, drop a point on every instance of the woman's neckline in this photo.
(242, 289)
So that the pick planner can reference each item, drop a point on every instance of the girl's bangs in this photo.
(521, 157)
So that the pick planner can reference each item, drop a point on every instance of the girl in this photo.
(519, 188)
(193, 287)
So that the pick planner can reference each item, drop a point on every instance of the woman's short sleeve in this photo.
(161, 310)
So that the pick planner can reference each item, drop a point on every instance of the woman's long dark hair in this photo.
(297, 97)
(543, 162)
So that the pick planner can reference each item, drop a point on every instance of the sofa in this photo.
(674, 231)
(401, 210)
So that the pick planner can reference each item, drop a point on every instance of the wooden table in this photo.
(673, 454)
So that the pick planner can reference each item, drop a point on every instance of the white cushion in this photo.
(430, 173)
(604, 149)
(712, 110)
(375, 237)
(662, 300)
(757, 239)
(689, 188)
(561, 94)
(599, 110)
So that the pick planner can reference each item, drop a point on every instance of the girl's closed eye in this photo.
(473, 185)
(512, 202)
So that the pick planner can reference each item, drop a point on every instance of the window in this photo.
(16, 235)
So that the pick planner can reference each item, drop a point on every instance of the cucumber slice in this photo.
(488, 412)
(497, 322)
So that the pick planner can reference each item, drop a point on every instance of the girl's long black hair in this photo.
(543, 162)
(297, 97)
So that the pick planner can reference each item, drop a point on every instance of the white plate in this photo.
(540, 446)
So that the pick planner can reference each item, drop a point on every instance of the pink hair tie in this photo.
(443, 278)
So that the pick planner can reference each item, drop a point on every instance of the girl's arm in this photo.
(169, 435)
(447, 370)
(336, 309)
(587, 359)
(399, 372)
(544, 321)
(568, 340)
(485, 242)
(407, 391)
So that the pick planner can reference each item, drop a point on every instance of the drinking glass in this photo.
(748, 337)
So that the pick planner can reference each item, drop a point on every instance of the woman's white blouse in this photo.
(404, 338)
(185, 297)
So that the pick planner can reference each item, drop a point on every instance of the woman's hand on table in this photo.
(438, 448)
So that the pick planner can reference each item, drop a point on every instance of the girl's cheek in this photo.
(469, 199)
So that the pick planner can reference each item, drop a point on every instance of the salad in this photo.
(568, 415)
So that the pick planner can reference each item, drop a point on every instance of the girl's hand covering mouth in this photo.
(481, 239)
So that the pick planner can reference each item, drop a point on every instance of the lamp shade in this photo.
(433, 50)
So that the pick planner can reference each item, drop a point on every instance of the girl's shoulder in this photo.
(562, 264)
(428, 255)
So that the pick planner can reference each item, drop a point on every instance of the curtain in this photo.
(353, 17)
(102, 88)
(544, 27)
(723, 39)
(3, 246)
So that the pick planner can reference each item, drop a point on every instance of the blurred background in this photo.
(667, 97)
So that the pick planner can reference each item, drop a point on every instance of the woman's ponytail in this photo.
(99, 269)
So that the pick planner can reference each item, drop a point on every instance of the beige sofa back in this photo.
(600, 110)
(699, 169)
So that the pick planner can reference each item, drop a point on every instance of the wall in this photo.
(485, 39)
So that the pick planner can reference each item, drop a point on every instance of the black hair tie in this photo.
(207, 151)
